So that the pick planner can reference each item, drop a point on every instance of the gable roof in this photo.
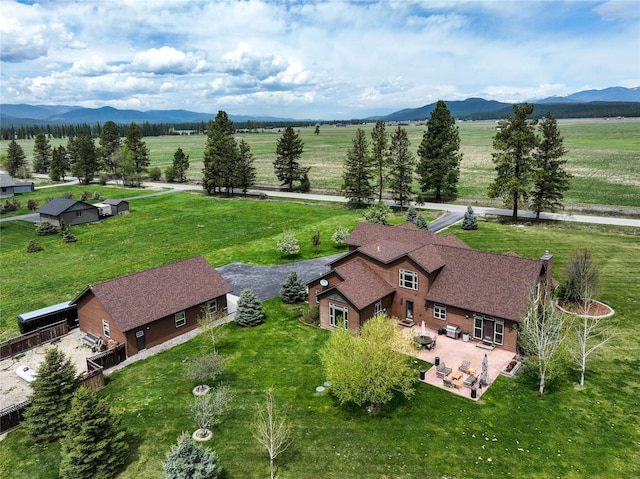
(140, 298)
(57, 206)
(406, 233)
(5, 180)
(116, 202)
(498, 285)
(361, 286)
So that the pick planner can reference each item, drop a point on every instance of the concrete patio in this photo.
(452, 352)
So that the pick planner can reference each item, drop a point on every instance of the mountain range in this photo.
(614, 101)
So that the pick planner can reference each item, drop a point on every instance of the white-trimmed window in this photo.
(377, 308)
(181, 319)
(408, 279)
(498, 336)
(338, 314)
(212, 307)
(440, 311)
(477, 326)
(105, 328)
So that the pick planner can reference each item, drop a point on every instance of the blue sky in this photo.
(334, 59)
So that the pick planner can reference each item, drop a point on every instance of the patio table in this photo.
(456, 375)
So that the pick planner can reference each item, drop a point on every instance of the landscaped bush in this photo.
(68, 237)
(103, 178)
(33, 247)
(155, 173)
(44, 228)
(312, 315)
(293, 290)
(68, 195)
(249, 311)
(84, 196)
(340, 235)
(32, 205)
(470, 220)
(378, 213)
(96, 195)
(170, 174)
(288, 244)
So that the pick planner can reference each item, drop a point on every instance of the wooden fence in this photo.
(12, 416)
(107, 359)
(23, 343)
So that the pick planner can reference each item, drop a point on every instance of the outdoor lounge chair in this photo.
(442, 370)
(470, 381)
(464, 366)
(447, 382)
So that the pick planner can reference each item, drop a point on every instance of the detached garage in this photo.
(72, 212)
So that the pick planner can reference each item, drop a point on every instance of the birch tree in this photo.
(589, 334)
(271, 430)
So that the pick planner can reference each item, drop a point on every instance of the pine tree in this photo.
(41, 154)
(245, 170)
(293, 290)
(412, 214)
(59, 164)
(439, 152)
(289, 148)
(550, 179)
(83, 156)
(470, 220)
(249, 311)
(15, 159)
(188, 460)
(52, 392)
(402, 164)
(421, 223)
(220, 154)
(358, 170)
(110, 144)
(379, 141)
(138, 148)
(180, 164)
(94, 441)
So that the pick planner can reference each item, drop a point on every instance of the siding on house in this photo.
(72, 212)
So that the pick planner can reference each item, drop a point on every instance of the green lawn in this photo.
(511, 432)
(601, 152)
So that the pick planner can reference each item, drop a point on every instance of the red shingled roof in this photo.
(140, 298)
(361, 285)
(407, 233)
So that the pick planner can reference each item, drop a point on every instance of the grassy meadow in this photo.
(512, 432)
(602, 156)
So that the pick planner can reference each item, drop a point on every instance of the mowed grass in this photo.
(602, 156)
(511, 432)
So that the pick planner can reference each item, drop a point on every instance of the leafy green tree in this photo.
(514, 165)
(180, 164)
(439, 152)
(52, 391)
(289, 148)
(245, 169)
(188, 460)
(340, 235)
(94, 442)
(402, 164)
(15, 159)
(127, 170)
(220, 155)
(249, 311)
(41, 154)
(155, 173)
(110, 144)
(288, 244)
(358, 170)
(550, 179)
(379, 145)
(293, 290)
(83, 156)
(470, 220)
(378, 213)
(59, 164)
(138, 148)
(368, 368)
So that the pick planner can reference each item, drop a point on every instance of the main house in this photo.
(417, 276)
(148, 308)
(72, 212)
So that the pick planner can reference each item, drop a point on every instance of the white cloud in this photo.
(167, 60)
(21, 42)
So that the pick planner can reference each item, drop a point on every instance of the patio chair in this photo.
(464, 367)
(442, 370)
(470, 381)
(447, 382)
(432, 344)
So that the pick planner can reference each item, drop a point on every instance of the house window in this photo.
(181, 319)
(212, 307)
(78, 213)
(477, 327)
(105, 328)
(377, 308)
(440, 311)
(338, 315)
(498, 337)
(408, 279)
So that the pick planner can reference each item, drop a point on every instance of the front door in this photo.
(409, 310)
(141, 341)
(487, 330)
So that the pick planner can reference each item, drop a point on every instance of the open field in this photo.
(511, 432)
(603, 157)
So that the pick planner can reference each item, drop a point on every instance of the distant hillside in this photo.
(613, 94)
(458, 109)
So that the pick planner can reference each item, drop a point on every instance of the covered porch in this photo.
(452, 353)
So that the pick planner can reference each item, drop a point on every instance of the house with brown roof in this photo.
(417, 276)
(145, 309)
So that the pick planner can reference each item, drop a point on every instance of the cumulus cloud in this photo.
(21, 42)
(167, 60)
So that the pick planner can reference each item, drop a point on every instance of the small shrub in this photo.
(470, 220)
(10, 205)
(33, 247)
(378, 213)
(44, 228)
(155, 173)
(421, 223)
(412, 214)
(68, 195)
(305, 184)
(32, 205)
(288, 244)
(103, 179)
(312, 315)
(96, 196)
(315, 241)
(68, 237)
(84, 196)
(340, 235)
(170, 174)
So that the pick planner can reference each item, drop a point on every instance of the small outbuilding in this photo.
(146, 309)
(118, 207)
(6, 185)
(24, 187)
(72, 212)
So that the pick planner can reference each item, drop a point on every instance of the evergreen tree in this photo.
(188, 460)
(379, 142)
(220, 154)
(180, 165)
(41, 154)
(470, 220)
(293, 290)
(421, 223)
(15, 159)
(138, 148)
(83, 156)
(402, 164)
(52, 391)
(59, 164)
(289, 148)
(249, 311)
(439, 152)
(94, 441)
(358, 170)
(412, 214)
(110, 144)
(514, 143)
(245, 170)
(378, 213)
(550, 179)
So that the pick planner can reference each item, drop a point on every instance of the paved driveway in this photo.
(265, 281)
